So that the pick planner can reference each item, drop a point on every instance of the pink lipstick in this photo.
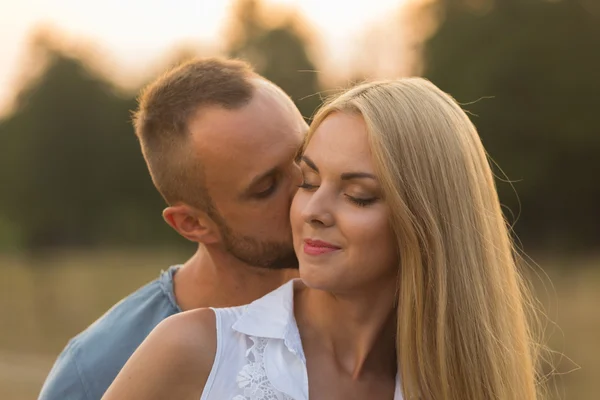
(318, 247)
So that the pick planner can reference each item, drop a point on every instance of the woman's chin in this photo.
(317, 278)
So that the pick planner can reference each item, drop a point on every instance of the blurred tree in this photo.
(72, 172)
(539, 61)
(278, 53)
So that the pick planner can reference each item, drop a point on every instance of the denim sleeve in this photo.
(65, 381)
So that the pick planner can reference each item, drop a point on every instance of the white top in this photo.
(259, 353)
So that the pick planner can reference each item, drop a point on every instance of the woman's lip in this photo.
(317, 251)
(320, 244)
(318, 247)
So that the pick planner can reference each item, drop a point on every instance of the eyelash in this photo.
(266, 193)
(354, 200)
(306, 186)
(361, 202)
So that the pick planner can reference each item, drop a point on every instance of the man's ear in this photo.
(192, 224)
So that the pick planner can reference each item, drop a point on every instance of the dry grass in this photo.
(46, 301)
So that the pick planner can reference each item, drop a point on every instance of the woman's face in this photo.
(340, 222)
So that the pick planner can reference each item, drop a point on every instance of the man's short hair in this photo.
(162, 122)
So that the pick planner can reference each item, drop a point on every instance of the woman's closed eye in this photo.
(361, 201)
(307, 186)
(306, 177)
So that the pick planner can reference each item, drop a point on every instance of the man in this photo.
(220, 143)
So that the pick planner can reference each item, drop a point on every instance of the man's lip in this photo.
(320, 243)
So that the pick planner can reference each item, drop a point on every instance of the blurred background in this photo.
(80, 222)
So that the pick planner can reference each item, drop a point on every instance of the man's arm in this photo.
(65, 381)
(174, 361)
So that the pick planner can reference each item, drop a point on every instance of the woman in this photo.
(408, 285)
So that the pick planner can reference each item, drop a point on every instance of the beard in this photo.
(262, 254)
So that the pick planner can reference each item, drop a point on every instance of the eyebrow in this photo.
(345, 176)
(357, 175)
(310, 163)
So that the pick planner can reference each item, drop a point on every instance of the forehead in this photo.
(236, 145)
(341, 139)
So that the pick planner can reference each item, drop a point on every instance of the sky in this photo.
(132, 34)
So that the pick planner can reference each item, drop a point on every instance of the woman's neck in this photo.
(357, 329)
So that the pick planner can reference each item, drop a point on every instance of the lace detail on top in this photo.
(252, 379)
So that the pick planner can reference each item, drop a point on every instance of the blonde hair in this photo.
(463, 330)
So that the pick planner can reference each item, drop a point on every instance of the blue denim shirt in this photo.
(91, 360)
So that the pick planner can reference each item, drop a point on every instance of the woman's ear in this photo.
(192, 224)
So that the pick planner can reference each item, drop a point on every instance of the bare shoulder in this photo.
(188, 332)
(191, 336)
(174, 361)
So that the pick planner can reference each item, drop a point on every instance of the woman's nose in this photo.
(318, 210)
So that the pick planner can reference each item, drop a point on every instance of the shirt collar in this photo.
(166, 285)
(269, 316)
(272, 316)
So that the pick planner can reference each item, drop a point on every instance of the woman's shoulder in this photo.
(187, 342)
(189, 335)
(175, 360)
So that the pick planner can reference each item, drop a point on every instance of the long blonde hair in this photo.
(463, 330)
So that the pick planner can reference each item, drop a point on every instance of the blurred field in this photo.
(45, 302)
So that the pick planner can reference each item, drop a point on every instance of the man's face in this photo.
(248, 159)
